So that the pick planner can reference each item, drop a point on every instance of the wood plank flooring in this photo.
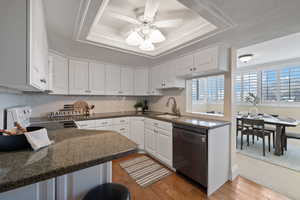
(175, 187)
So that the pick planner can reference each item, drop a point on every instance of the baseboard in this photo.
(234, 172)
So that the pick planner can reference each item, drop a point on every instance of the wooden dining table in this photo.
(280, 123)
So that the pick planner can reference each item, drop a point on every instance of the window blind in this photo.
(289, 84)
(269, 86)
(249, 84)
(209, 89)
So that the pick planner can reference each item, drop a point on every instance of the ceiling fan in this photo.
(146, 31)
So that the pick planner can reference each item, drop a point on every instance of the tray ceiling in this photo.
(99, 24)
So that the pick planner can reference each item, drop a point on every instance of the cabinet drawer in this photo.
(165, 132)
(103, 122)
(122, 120)
(86, 124)
(121, 128)
(160, 124)
(104, 128)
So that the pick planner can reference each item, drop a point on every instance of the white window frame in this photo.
(260, 70)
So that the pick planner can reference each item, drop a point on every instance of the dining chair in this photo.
(290, 135)
(255, 127)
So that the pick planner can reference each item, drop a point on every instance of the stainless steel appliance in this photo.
(190, 152)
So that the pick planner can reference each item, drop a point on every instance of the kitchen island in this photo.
(77, 161)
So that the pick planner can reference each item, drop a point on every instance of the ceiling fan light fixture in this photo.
(147, 45)
(246, 58)
(156, 36)
(134, 39)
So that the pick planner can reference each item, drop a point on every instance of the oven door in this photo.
(190, 154)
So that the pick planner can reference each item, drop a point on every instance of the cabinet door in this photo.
(113, 80)
(184, 65)
(155, 80)
(44, 190)
(127, 81)
(164, 146)
(78, 77)
(97, 78)
(206, 60)
(150, 141)
(141, 82)
(137, 131)
(58, 74)
(38, 45)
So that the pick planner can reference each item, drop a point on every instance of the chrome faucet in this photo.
(175, 108)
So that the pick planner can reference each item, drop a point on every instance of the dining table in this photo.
(280, 123)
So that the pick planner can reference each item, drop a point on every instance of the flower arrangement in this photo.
(252, 98)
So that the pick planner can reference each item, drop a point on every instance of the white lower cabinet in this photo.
(153, 136)
(137, 131)
(150, 141)
(74, 186)
(159, 140)
(164, 147)
(44, 190)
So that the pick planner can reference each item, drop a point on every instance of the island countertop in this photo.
(74, 149)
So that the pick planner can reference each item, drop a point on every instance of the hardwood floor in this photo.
(175, 187)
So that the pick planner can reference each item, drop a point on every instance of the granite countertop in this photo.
(74, 149)
(185, 120)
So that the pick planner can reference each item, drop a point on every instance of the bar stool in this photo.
(108, 191)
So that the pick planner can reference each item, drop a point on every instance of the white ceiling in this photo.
(255, 20)
(111, 32)
(284, 48)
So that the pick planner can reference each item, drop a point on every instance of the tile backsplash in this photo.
(42, 103)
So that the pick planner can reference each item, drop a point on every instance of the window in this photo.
(206, 93)
(245, 83)
(269, 86)
(272, 86)
(289, 81)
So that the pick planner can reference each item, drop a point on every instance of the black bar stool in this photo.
(108, 191)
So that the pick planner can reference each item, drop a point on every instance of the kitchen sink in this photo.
(168, 116)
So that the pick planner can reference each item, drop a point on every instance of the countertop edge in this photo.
(55, 173)
(116, 115)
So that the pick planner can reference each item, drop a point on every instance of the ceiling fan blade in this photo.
(168, 23)
(150, 9)
(123, 18)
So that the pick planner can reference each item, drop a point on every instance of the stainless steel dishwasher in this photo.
(190, 152)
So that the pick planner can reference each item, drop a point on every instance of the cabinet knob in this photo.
(191, 69)
(194, 69)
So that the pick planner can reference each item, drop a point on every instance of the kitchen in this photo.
(110, 101)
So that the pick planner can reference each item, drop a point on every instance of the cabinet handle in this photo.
(88, 91)
(122, 129)
(104, 122)
(194, 69)
(43, 80)
(120, 92)
(122, 120)
(191, 69)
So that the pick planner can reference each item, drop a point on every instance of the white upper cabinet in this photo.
(169, 76)
(184, 65)
(113, 80)
(97, 78)
(24, 45)
(78, 77)
(141, 81)
(155, 80)
(58, 74)
(127, 81)
(212, 60)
